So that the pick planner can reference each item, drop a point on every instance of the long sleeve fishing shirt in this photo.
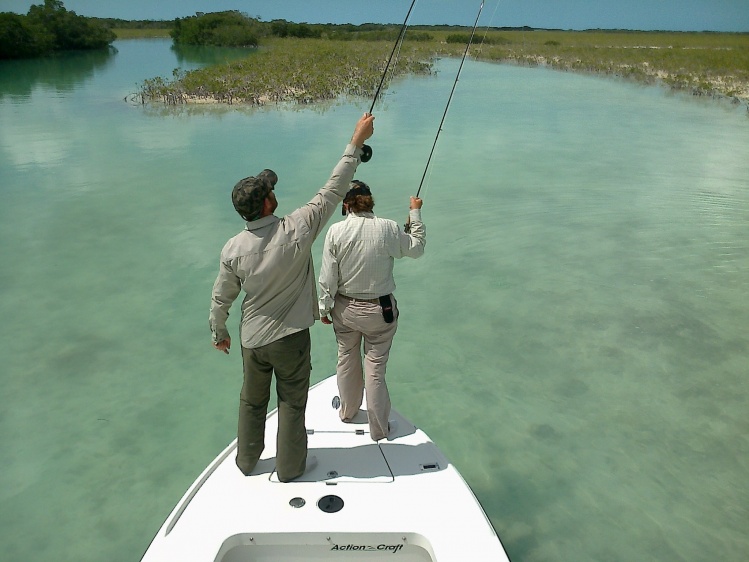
(271, 261)
(359, 255)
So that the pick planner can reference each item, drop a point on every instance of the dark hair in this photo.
(359, 198)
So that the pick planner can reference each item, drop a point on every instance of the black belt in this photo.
(352, 299)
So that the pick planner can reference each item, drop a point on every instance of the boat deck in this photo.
(363, 501)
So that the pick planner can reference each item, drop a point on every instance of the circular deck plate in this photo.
(297, 502)
(330, 504)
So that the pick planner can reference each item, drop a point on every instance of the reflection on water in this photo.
(575, 338)
(63, 73)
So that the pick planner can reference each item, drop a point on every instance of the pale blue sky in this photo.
(674, 15)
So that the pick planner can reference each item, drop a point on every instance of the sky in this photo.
(670, 15)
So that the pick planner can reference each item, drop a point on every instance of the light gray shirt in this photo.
(359, 254)
(271, 261)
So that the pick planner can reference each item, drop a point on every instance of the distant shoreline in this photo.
(713, 65)
(730, 89)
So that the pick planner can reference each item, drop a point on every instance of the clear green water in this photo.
(575, 339)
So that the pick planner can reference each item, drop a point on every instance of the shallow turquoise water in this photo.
(575, 338)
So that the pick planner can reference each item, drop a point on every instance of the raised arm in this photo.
(318, 211)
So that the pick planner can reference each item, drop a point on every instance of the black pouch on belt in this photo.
(386, 304)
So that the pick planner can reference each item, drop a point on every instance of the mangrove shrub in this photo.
(48, 28)
(283, 28)
(464, 38)
(228, 29)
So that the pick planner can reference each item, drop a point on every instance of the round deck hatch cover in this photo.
(330, 504)
(297, 502)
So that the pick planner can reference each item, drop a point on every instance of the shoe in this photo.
(310, 464)
(392, 427)
(263, 466)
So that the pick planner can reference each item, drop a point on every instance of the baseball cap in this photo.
(249, 194)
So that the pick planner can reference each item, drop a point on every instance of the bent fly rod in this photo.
(449, 99)
(366, 149)
(407, 226)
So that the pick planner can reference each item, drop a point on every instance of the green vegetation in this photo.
(711, 64)
(120, 24)
(465, 38)
(143, 33)
(304, 63)
(137, 29)
(348, 60)
(288, 70)
(226, 29)
(234, 29)
(283, 28)
(47, 29)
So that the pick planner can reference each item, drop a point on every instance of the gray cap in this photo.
(249, 194)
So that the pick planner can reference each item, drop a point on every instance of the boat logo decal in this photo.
(367, 547)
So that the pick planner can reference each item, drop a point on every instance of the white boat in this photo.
(399, 499)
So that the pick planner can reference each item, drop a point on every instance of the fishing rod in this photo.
(407, 226)
(449, 99)
(366, 149)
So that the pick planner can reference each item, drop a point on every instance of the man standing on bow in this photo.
(356, 286)
(271, 261)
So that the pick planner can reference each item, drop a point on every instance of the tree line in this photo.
(48, 28)
(235, 29)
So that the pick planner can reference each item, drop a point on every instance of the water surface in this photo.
(575, 338)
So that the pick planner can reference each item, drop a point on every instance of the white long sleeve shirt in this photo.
(359, 255)
(271, 261)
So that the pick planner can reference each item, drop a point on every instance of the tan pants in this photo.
(359, 322)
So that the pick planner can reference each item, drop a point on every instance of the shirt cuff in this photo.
(353, 150)
(218, 335)
(325, 304)
(414, 215)
(324, 310)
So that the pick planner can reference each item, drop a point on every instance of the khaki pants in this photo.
(289, 358)
(356, 322)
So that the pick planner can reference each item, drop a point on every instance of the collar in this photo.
(366, 214)
(261, 222)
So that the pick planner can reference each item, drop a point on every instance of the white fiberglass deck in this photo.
(399, 499)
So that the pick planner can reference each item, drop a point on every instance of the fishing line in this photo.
(367, 150)
(396, 46)
(488, 26)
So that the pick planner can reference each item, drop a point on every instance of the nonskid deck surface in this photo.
(345, 452)
(399, 497)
